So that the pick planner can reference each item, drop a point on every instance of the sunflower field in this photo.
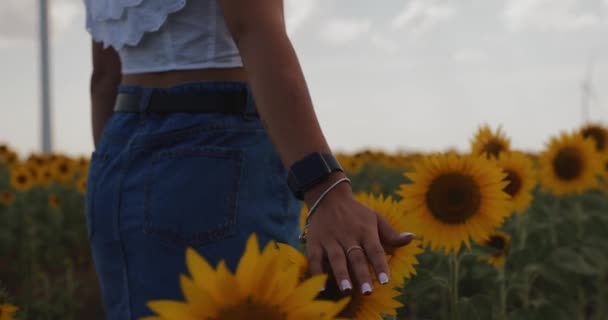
(501, 234)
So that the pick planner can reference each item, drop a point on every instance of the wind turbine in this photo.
(45, 87)
(588, 95)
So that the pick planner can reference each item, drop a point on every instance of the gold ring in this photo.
(348, 251)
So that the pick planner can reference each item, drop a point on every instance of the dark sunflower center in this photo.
(598, 136)
(453, 198)
(496, 242)
(63, 168)
(7, 197)
(22, 179)
(568, 164)
(514, 185)
(249, 309)
(493, 148)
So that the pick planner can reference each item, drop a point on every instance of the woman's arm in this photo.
(104, 86)
(285, 105)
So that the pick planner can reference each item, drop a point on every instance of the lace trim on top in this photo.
(118, 23)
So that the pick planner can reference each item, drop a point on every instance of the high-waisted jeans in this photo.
(159, 183)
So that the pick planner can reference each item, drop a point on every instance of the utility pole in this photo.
(45, 94)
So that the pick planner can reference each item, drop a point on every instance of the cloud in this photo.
(19, 19)
(297, 12)
(419, 15)
(546, 15)
(342, 31)
(382, 42)
(469, 55)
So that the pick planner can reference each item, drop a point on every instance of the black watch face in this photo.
(310, 170)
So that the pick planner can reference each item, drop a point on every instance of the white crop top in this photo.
(163, 35)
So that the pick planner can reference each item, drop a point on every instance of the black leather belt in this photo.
(213, 101)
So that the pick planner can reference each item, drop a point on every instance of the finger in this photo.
(358, 263)
(390, 237)
(377, 258)
(315, 260)
(337, 260)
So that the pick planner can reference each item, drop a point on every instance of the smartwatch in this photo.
(310, 171)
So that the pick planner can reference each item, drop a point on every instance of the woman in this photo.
(185, 156)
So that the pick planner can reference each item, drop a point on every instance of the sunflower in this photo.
(500, 242)
(83, 163)
(521, 178)
(263, 287)
(63, 169)
(599, 135)
(376, 188)
(36, 159)
(7, 311)
(7, 198)
(490, 143)
(21, 178)
(46, 175)
(4, 150)
(294, 258)
(350, 164)
(401, 261)
(569, 165)
(10, 158)
(383, 302)
(81, 184)
(454, 199)
(54, 201)
(35, 173)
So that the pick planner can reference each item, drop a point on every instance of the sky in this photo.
(392, 75)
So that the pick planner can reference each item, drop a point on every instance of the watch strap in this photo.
(310, 171)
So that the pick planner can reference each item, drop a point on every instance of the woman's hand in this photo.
(351, 236)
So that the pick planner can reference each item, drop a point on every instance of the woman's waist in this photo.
(166, 79)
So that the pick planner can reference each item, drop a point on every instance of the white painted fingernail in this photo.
(345, 285)
(366, 288)
(383, 278)
(408, 234)
(322, 289)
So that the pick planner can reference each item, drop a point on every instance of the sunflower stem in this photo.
(553, 234)
(581, 304)
(454, 264)
(522, 230)
(580, 218)
(503, 293)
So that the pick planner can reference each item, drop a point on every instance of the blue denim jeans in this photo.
(159, 183)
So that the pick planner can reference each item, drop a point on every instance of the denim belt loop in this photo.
(144, 103)
(250, 107)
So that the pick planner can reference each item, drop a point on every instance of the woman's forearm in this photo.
(281, 94)
(103, 87)
(284, 103)
(275, 76)
(103, 98)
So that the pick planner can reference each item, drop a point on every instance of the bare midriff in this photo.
(171, 78)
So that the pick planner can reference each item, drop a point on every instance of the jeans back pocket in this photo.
(191, 197)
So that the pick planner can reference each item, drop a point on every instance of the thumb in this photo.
(389, 237)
